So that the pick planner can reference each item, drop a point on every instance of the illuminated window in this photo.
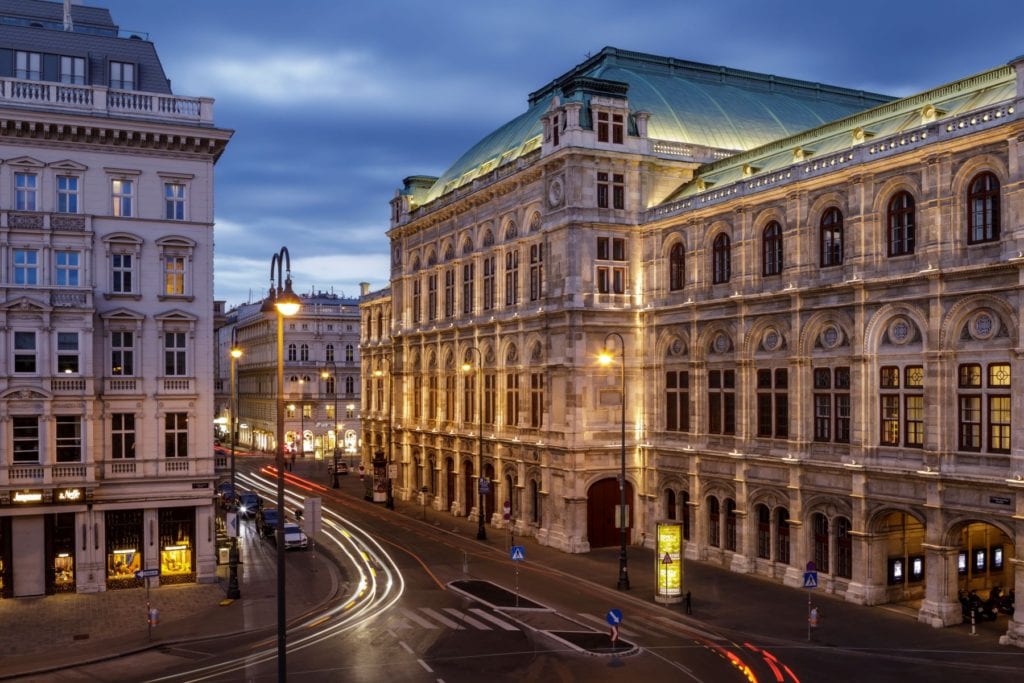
(832, 404)
(123, 197)
(984, 409)
(67, 353)
(901, 396)
(174, 201)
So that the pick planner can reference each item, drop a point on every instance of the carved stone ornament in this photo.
(555, 192)
(771, 341)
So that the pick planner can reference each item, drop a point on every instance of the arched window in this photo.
(350, 385)
(304, 352)
(782, 535)
(292, 352)
(983, 209)
(329, 385)
(330, 353)
(714, 527)
(670, 504)
(831, 238)
(819, 527)
(721, 260)
(676, 267)
(771, 241)
(900, 233)
(350, 353)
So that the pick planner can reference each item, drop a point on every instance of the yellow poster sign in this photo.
(668, 567)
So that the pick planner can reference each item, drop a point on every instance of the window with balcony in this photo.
(24, 352)
(68, 433)
(26, 191)
(175, 354)
(67, 194)
(25, 439)
(122, 353)
(176, 435)
(28, 65)
(122, 436)
(72, 70)
(122, 76)
(67, 353)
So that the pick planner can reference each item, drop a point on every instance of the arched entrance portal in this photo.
(983, 558)
(602, 506)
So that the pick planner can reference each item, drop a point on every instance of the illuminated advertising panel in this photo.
(668, 567)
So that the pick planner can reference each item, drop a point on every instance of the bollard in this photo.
(973, 631)
(465, 562)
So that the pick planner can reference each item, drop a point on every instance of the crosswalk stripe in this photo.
(468, 619)
(418, 619)
(631, 632)
(434, 614)
(493, 619)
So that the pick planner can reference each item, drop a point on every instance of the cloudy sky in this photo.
(335, 101)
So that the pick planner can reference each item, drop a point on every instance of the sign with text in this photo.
(668, 567)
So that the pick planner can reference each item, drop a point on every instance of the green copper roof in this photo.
(808, 147)
(692, 103)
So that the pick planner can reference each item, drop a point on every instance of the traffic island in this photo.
(596, 643)
(493, 595)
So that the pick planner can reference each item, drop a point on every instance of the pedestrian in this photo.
(687, 603)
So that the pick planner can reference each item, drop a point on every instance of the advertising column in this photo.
(668, 565)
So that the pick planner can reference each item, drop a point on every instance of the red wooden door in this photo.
(602, 525)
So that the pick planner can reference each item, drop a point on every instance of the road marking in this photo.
(493, 619)
(434, 614)
(631, 632)
(406, 647)
(424, 665)
(468, 619)
(418, 619)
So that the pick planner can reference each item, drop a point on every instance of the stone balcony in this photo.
(102, 101)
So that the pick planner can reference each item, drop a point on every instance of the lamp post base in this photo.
(390, 504)
(233, 591)
(623, 584)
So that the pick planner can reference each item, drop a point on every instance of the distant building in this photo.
(816, 296)
(106, 308)
(321, 374)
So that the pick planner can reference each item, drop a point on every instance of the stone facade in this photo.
(820, 342)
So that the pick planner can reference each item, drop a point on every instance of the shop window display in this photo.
(124, 548)
(60, 544)
(177, 531)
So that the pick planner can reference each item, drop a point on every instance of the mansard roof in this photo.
(897, 125)
(711, 106)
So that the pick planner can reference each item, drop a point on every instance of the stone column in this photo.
(1015, 633)
(941, 605)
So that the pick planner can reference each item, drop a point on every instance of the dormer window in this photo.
(610, 123)
(72, 70)
(122, 76)
(27, 66)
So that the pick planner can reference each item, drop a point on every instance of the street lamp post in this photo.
(334, 374)
(606, 358)
(233, 591)
(481, 531)
(390, 504)
(284, 302)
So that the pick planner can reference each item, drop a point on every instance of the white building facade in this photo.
(106, 311)
(818, 320)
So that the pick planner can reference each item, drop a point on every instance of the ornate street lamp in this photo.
(284, 302)
(605, 358)
(481, 531)
(233, 591)
(324, 375)
(390, 504)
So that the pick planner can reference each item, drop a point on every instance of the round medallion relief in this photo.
(984, 325)
(721, 343)
(555, 192)
(677, 347)
(899, 331)
(772, 340)
(830, 337)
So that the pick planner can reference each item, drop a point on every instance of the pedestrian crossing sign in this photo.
(810, 579)
(518, 553)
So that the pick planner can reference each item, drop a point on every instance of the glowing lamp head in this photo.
(605, 358)
(466, 367)
(236, 352)
(287, 302)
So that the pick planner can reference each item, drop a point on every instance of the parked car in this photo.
(266, 522)
(249, 504)
(294, 537)
(342, 468)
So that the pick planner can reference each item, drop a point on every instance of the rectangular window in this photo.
(832, 404)
(512, 278)
(512, 399)
(26, 186)
(602, 191)
(68, 438)
(432, 398)
(122, 268)
(25, 438)
(122, 354)
(122, 435)
(26, 267)
(449, 293)
(490, 391)
(174, 201)
(469, 398)
(432, 296)
(901, 406)
(72, 70)
(417, 289)
(611, 279)
(773, 403)
(984, 410)
(467, 289)
(417, 397)
(66, 268)
(536, 270)
(174, 275)
(536, 399)
(449, 398)
(27, 65)
(24, 352)
(174, 354)
(67, 194)
(67, 352)
(122, 76)
(602, 126)
(122, 194)
(721, 401)
(677, 401)
(176, 435)
(616, 127)
(618, 191)
(489, 283)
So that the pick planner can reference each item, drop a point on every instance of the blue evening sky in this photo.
(334, 102)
